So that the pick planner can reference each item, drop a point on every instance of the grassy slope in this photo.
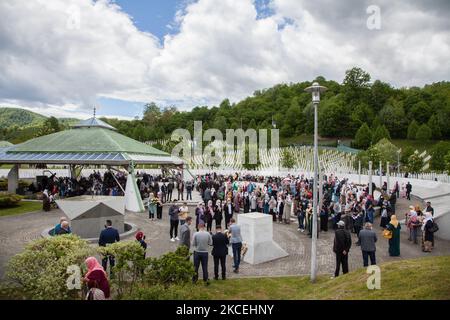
(20, 117)
(23, 207)
(423, 278)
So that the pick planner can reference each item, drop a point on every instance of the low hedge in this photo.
(8, 200)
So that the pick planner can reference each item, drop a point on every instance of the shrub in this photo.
(415, 163)
(171, 268)
(40, 270)
(130, 264)
(9, 199)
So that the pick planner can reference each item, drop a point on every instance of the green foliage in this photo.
(334, 120)
(40, 270)
(356, 85)
(424, 133)
(171, 268)
(412, 130)
(383, 151)
(447, 162)
(405, 154)
(435, 127)
(438, 152)
(421, 112)
(8, 200)
(50, 125)
(380, 133)
(415, 163)
(393, 117)
(19, 117)
(130, 263)
(287, 159)
(363, 137)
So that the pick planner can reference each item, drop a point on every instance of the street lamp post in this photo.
(315, 90)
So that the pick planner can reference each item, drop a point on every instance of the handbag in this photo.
(387, 234)
(434, 228)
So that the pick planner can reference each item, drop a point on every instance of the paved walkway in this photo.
(16, 231)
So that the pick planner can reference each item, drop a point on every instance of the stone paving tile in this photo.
(16, 231)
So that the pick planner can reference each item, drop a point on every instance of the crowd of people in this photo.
(343, 206)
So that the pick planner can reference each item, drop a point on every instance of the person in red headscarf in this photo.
(96, 280)
(141, 239)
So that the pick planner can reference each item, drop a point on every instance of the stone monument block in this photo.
(257, 233)
(88, 214)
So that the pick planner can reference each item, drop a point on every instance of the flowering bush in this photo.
(40, 270)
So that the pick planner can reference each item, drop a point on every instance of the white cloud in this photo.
(222, 49)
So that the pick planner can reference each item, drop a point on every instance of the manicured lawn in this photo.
(416, 279)
(23, 207)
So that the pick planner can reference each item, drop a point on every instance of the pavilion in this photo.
(90, 142)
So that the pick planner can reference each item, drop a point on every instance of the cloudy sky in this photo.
(61, 57)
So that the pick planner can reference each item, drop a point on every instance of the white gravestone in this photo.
(257, 233)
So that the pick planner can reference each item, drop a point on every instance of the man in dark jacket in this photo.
(228, 212)
(219, 252)
(341, 247)
(408, 190)
(174, 221)
(170, 188)
(108, 235)
(367, 239)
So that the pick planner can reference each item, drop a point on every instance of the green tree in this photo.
(221, 124)
(356, 85)
(380, 133)
(152, 113)
(412, 130)
(50, 125)
(415, 163)
(435, 127)
(380, 92)
(363, 137)
(405, 154)
(334, 120)
(287, 159)
(393, 117)
(438, 153)
(424, 133)
(420, 112)
(447, 162)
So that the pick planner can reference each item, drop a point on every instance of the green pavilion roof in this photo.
(89, 142)
(83, 140)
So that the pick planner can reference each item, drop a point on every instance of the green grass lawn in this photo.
(23, 207)
(417, 279)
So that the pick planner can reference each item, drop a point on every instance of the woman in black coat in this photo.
(428, 234)
(218, 213)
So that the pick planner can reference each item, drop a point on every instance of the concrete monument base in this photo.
(257, 233)
(88, 214)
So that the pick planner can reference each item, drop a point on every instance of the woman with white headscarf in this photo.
(427, 231)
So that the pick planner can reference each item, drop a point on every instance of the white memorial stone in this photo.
(257, 233)
(88, 214)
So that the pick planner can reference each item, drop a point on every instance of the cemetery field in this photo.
(22, 207)
(417, 279)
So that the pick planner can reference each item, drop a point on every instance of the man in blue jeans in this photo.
(201, 242)
(236, 243)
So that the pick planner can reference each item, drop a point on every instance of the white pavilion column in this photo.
(13, 179)
(359, 172)
(381, 175)
(133, 201)
(370, 177)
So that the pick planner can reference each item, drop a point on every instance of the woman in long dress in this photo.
(152, 206)
(287, 209)
(394, 242)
